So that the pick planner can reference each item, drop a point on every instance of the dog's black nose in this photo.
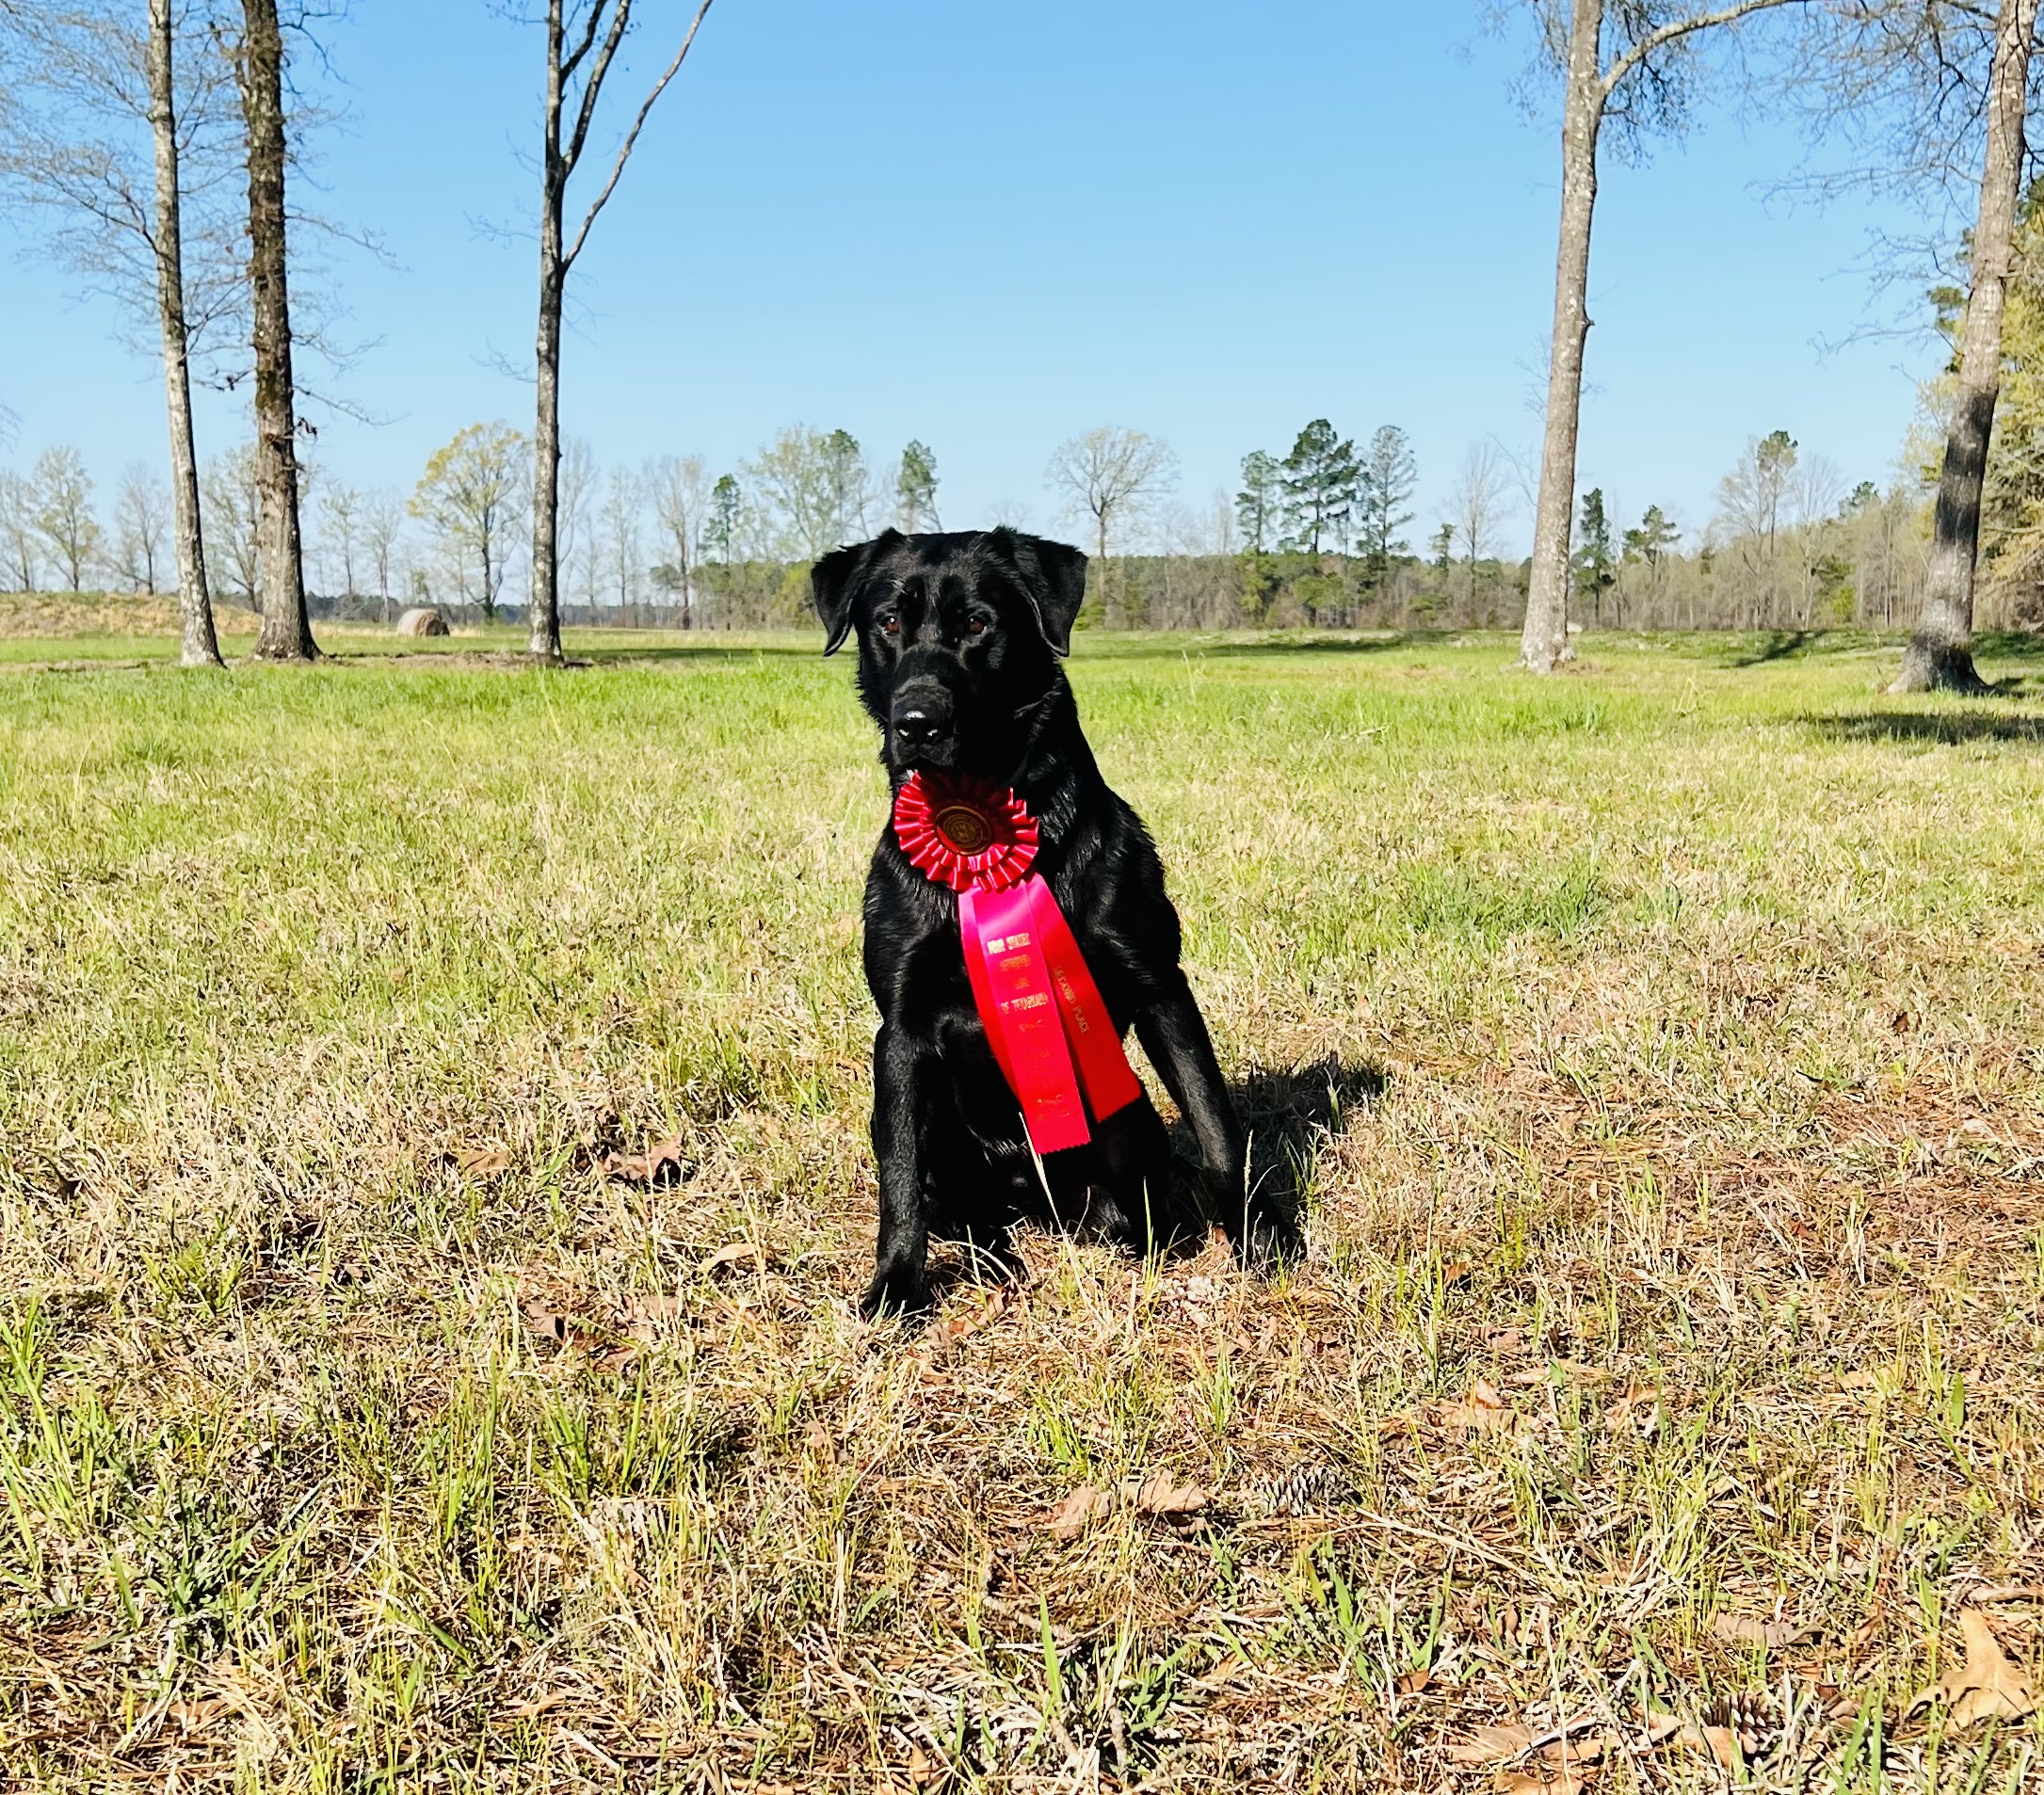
(919, 724)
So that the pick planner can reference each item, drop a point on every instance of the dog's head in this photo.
(959, 636)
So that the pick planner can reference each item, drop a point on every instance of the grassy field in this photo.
(434, 1195)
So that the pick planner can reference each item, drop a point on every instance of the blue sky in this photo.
(992, 225)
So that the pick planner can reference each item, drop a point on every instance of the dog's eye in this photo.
(975, 625)
(890, 623)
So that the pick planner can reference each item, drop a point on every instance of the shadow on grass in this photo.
(1948, 727)
(1778, 644)
(652, 653)
(1291, 1116)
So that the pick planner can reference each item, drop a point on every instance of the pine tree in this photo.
(915, 490)
(720, 528)
(1652, 539)
(1594, 573)
(1260, 505)
(1321, 478)
(1389, 476)
(845, 474)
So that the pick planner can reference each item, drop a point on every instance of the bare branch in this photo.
(625, 150)
(1674, 29)
(593, 87)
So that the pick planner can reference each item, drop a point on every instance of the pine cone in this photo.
(1306, 1489)
(1753, 1721)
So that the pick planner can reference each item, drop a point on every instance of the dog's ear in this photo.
(1054, 575)
(834, 581)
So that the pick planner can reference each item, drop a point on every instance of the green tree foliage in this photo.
(1260, 505)
(915, 490)
(1651, 540)
(719, 535)
(1389, 476)
(472, 495)
(1595, 569)
(1321, 476)
(813, 491)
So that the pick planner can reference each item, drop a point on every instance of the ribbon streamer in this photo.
(1049, 1029)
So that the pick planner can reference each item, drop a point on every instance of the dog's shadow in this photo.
(1290, 1118)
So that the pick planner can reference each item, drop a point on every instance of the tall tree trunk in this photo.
(286, 634)
(200, 646)
(545, 638)
(1941, 654)
(1110, 608)
(1544, 643)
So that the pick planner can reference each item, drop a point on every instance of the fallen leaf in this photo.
(484, 1162)
(1159, 1495)
(569, 1331)
(1570, 1781)
(1748, 1630)
(1491, 1745)
(662, 1163)
(642, 1323)
(1455, 1272)
(1988, 1686)
(1717, 1741)
(1638, 1397)
(733, 1252)
(1413, 1682)
(963, 1322)
(1484, 1412)
(1078, 1512)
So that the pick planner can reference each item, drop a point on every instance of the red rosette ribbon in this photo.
(1044, 1017)
(964, 832)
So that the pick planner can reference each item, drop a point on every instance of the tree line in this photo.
(162, 156)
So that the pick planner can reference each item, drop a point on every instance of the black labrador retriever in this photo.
(959, 638)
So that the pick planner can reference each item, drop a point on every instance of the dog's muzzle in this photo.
(921, 718)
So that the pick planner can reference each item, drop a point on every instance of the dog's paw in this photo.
(1271, 1244)
(896, 1289)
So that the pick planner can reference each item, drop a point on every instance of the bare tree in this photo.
(233, 534)
(339, 513)
(63, 512)
(382, 523)
(811, 486)
(1941, 654)
(680, 497)
(1627, 63)
(18, 539)
(620, 517)
(579, 474)
(472, 495)
(1478, 501)
(582, 41)
(120, 142)
(1110, 475)
(139, 525)
(286, 634)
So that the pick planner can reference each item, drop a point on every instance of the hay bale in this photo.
(422, 619)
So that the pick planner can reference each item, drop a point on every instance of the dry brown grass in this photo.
(1655, 1054)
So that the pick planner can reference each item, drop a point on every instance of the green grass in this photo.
(1655, 1045)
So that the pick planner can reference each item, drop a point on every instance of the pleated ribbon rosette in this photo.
(1049, 1031)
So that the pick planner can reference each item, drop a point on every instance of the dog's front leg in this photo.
(899, 1066)
(1174, 1035)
